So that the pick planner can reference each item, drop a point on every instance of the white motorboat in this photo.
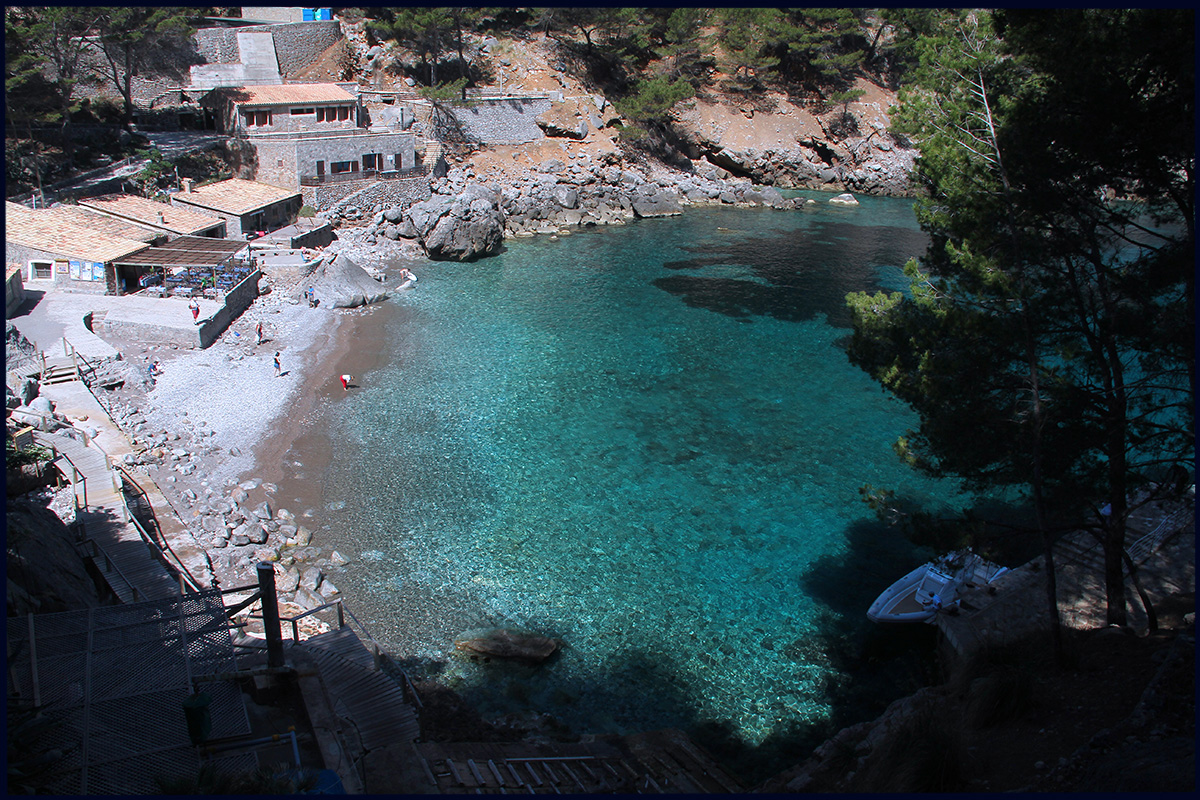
(931, 587)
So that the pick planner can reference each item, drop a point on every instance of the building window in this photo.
(298, 111)
(372, 161)
(343, 113)
(343, 166)
(258, 119)
(41, 270)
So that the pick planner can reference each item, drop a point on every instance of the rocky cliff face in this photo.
(776, 141)
(44, 572)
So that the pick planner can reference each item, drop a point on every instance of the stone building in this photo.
(310, 134)
(246, 206)
(56, 253)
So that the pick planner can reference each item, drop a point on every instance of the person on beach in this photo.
(346, 381)
(258, 331)
(278, 366)
(195, 307)
(312, 296)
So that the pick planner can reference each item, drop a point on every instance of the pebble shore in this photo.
(210, 430)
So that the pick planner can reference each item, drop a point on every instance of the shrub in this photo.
(306, 212)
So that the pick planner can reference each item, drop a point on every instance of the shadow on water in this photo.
(866, 668)
(783, 271)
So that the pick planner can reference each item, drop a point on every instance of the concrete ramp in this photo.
(258, 58)
(257, 65)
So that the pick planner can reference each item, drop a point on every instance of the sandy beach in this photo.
(242, 426)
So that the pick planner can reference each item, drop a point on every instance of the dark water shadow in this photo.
(868, 667)
(793, 275)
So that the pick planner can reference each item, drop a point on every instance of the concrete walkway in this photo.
(124, 558)
(46, 317)
(75, 401)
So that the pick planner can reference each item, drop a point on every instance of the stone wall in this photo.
(297, 44)
(21, 255)
(277, 163)
(14, 292)
(502, 121)
(237, 300)
(368, 192)
(283, 162)
(402, 192)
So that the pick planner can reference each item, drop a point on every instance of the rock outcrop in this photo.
(340, 283)
(45, 574)
(510, 645)
(461, 227)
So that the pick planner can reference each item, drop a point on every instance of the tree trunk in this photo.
(1151, 616)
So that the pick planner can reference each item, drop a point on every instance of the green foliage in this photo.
(429, 32)
(651, 100)
(20, 457)
(306, 212)
(142, 40)
(444, 92)
(1047, 339)
(682, 42)
(749, 37)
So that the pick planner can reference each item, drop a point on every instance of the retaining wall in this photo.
(237, 300)
(14, 292)
(297, 44)
(368, 192)
(509, 120)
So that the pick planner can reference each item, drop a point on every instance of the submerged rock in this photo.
(510, 644)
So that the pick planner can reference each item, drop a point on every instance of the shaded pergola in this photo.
(192, 261)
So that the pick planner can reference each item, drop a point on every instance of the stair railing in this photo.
(1141, 549)
(110, 566)
(159, 542)
(377, 652)
(76, 358)
(77, 476)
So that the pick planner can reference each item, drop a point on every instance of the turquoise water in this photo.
(646, 441)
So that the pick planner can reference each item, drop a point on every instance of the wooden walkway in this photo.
(127, 562)
(661, 762)
(372, 701)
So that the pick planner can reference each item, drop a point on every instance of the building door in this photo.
(320, 169)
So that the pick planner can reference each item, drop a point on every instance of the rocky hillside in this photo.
(768, 138)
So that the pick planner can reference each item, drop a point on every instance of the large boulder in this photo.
(340, 283)
(509, 644)
(565, 120)
(460, 228)
(661, 204)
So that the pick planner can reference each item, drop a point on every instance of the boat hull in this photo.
(898, 603)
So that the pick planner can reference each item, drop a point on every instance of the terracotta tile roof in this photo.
(234, 196)
(86, 218)
(140, 209)
(286, 94)
(41, 231)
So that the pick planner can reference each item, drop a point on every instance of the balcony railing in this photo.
(372, 174)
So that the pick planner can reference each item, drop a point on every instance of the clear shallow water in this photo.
(646, 441)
